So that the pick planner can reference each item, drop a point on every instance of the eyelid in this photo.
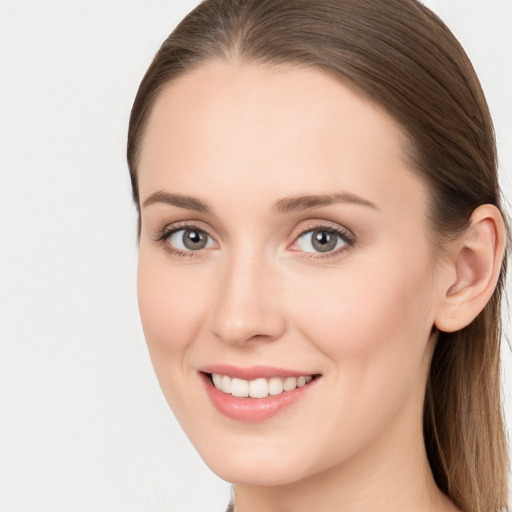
(183, 224)
(318, 225)
(162, 236)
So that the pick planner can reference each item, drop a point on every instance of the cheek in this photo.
(373, 322)
(360, 309)
(171, 303)
(373, 326)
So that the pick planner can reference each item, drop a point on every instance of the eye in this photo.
(189, 239)
(323, 240)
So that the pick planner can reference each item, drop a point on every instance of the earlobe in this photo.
(476, 264)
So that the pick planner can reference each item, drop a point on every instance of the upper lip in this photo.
(253, 372)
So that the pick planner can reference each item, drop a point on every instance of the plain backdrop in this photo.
(83, 424)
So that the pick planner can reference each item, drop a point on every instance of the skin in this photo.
(240, 138)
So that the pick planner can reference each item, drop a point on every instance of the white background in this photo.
(83, 425)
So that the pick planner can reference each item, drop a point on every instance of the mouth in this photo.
(260, 387)
(263, 392)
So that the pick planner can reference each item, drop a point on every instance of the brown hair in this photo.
(403, 57)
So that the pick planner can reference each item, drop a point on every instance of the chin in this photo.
(253, 473)
(257, 465)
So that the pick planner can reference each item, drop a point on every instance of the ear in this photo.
(474, 268)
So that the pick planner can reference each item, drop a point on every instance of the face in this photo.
(284, 254)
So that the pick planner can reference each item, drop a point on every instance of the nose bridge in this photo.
(247, 304)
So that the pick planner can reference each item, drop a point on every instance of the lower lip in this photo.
(252, 410)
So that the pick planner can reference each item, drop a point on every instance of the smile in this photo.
(255, 394)
(258, 388)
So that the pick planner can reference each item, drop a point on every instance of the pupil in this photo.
(323, 241)
(194, 239)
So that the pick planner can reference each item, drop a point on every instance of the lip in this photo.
(252, 372)
(253, 410)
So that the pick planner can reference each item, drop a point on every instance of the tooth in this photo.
(258, 388)
(226, 384)
(290, 383)
(217, 380)
(239, 388)
(275, 386)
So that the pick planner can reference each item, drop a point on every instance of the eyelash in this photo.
(343, 234)
(163, 236)
(346, 236)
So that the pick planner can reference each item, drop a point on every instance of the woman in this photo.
(322, 254)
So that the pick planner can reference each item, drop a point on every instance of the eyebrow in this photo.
(304, 202)
(283, 206)
(187, 202)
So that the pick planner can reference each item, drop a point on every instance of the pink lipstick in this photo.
(257, 393)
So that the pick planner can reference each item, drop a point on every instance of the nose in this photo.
(247, 304)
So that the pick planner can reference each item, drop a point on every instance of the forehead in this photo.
(273, 131)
